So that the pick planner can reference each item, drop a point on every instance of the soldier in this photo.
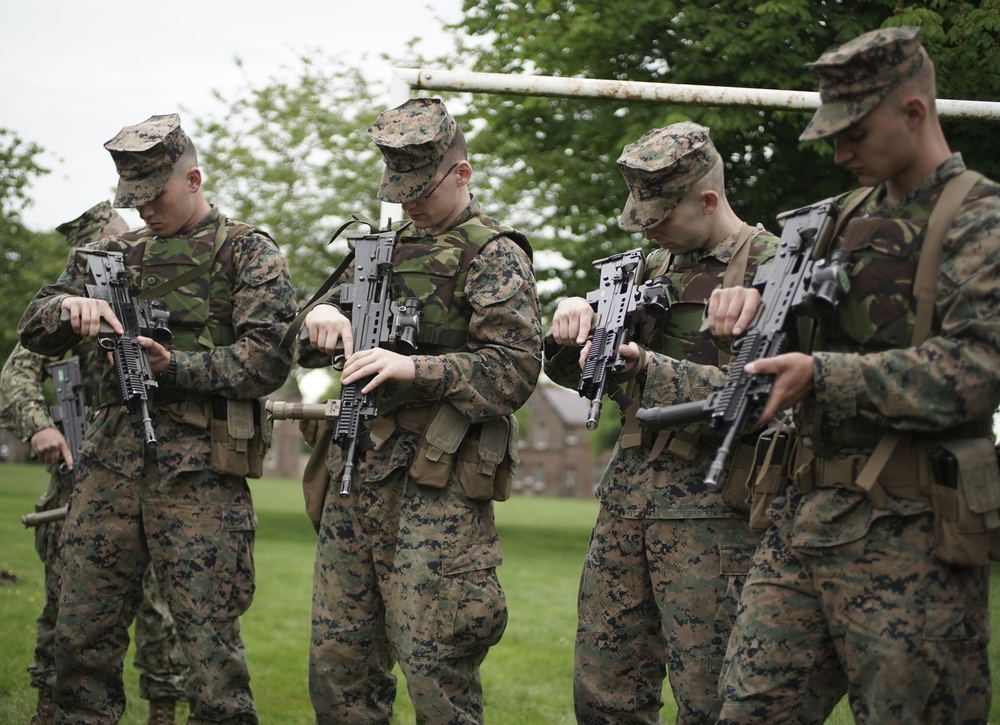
(183, 505)
(667, 556)
(874, 578)
(410, 557)
(24, 412)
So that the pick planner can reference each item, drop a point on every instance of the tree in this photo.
(28, 260)
(556, 156)
(292, 157)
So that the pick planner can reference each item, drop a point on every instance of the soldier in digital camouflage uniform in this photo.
(667, 556)
(227, 289)
(865, 584)
(406, 565)
(24, 411)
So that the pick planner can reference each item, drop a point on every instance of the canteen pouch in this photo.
(965, 498)
(768, 477)
(238, 438)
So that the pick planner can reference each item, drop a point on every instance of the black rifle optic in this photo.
(138, 317)
(791, 284)
(619, 296)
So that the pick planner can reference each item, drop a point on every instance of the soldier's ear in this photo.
(464, 172)
(709, 201)
(194, 179)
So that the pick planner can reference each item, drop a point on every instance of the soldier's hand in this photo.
(731, 310)
(793, 380)
(159, 356)
(571, 321)
(327, 326)
(85, 315)
(383, 364)
(50, 446)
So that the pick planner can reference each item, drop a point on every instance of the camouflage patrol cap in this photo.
(413, 139)
(659, 169)
(88, 226)
(145, 155)
(855, 77)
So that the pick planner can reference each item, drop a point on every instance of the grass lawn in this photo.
(527, 678)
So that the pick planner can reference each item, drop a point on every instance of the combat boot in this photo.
(161, 711)
(45, 714)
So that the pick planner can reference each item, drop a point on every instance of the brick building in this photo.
(555, 447)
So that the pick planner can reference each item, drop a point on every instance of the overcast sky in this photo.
(74, 72)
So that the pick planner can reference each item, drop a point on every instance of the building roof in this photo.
(571, 408)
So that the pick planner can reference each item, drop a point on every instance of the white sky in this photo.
(73, 72)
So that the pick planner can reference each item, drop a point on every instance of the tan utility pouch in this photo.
(316, 475)
(768, 477)
(736, 487)
(239, 440)
(487, 464)
(436, 452)
(965, 497)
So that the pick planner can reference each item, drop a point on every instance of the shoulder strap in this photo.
(925, 291)
(925, 282)
(736, 270)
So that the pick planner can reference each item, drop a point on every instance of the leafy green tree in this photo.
(557, 156)
(292, 157)
(28, 260)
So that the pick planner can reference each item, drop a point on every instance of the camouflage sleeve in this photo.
(953, 376)
(562, 363)
(670, 381)
(263, 307)
(23, 410)
(41, 329)
(498, 372)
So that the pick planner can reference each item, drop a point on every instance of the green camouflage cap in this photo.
(413, 139)
(659, 169)
(88, 226)
(856, 76)
(145, 155)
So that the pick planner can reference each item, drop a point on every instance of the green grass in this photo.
(527, 678)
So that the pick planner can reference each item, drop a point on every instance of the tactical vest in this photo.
(878, 312)
(200, 309)
(434, 269)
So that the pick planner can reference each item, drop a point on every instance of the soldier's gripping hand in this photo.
(571, 321)
(731, 310)
(85, 315)
(327, 326)
(50, 446)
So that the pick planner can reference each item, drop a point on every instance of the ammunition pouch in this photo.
(240, 441)
(482, 458)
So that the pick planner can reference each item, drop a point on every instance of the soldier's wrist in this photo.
(169, 376)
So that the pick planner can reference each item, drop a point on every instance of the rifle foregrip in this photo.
(674, 416)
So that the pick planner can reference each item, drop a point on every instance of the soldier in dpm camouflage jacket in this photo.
(406, 565)
(874, 578)
(183, 505)
(24, 411)
(667, 556)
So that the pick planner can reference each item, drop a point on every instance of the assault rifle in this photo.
(790, 284)
(70, 413)
(375, 322)
(615, 302)
(138, 317)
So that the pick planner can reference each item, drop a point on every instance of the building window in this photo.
(571, 482)
(541, 435)
(571, 438)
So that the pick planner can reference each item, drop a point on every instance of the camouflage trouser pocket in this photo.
(234, 576)
(472, 609)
